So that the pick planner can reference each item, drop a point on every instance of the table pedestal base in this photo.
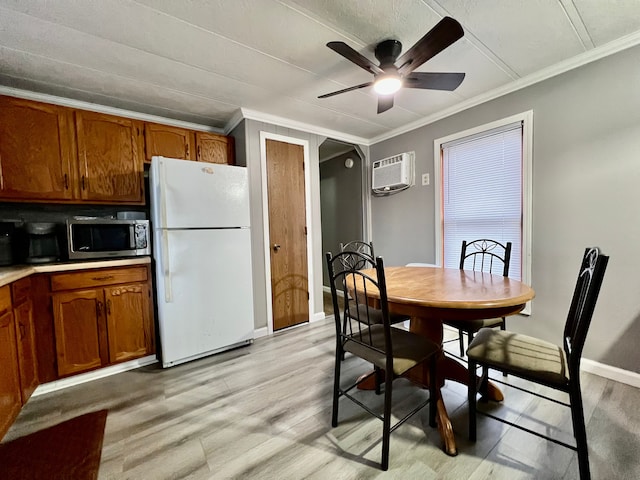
(448, 369)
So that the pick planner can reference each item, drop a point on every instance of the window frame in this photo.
(527, 179)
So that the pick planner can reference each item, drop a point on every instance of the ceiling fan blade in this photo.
(433, 81)
(355, 87)
(385, 102)
(445, 33)
(350, 54)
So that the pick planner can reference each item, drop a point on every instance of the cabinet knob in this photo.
(276, 247)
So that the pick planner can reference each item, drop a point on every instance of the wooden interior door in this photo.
(287, 234)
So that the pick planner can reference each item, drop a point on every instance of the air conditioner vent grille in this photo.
(393, 173)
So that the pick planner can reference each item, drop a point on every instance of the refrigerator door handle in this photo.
(162, 179)
(166, 268)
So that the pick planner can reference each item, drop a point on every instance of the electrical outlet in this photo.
(425, 179)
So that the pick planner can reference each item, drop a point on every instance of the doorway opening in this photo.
(342, 201)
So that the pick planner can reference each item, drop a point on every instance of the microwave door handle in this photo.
(166, 268)
(132, 236)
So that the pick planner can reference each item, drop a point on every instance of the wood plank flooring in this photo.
(263, 412)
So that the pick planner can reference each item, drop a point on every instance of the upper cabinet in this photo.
(50, 153)
(35, 151)
(172, 142)
(110, 158)
(175, 142)
(214, 148)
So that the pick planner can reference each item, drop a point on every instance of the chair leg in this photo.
(336, 383)
(378, 379)
(386, 420)
(579, 431)
(433, 390)
(472, 393)
(461, 342)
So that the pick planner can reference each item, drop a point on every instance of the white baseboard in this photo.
(260, 332)
(612, 373)
(318, 316)
(94, 375)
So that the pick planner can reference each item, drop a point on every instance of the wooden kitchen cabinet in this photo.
(166, 141)
(25, 336)
(79, 325)
(110, 158)
(101, 317)
(129, 325)
(36, 155)
(10, 398)
(215, 148)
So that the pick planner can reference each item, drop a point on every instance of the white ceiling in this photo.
(201, 61)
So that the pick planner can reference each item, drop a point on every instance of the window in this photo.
(483, 190)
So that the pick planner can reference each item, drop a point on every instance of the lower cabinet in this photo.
(25, 337)
(10, 398)
(101, 317)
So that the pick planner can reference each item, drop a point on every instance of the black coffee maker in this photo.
(41, 242)
(7, 230)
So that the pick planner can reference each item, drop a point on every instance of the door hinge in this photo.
(307, 294)
(305, 229)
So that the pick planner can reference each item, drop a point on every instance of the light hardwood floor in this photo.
(263, 412)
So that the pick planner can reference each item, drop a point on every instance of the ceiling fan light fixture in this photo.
(387, 84)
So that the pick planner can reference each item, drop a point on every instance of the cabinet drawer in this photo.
(20, 290)
(5, 299)
(97, 278)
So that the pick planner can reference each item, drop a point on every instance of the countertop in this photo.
(16, 272)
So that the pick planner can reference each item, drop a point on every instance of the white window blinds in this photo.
(482, 192)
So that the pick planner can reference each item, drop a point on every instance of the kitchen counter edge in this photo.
(13, 273)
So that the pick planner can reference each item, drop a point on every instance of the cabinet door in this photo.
(110, 157)
(79, 326)
(172, 142)
(129, 322)
(35, 150)
(10, 400)
(214, 148)
(26, 349)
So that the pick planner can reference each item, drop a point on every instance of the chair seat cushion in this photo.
(375, 315)
(520, 355)
(474, 325)
(409, 349)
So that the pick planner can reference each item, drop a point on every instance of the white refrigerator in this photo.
(202, 253)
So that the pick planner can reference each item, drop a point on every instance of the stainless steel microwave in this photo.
(105, 238)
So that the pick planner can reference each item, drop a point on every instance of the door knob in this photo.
(276, 247)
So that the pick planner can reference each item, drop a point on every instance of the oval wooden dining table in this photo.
(430, 295)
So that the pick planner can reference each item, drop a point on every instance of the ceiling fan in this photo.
(390, 75)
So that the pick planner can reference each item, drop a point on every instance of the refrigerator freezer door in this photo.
(204, 292)
(186, 194)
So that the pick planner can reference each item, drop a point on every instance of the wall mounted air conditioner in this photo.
(393, 173)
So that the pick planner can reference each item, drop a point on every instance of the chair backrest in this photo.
(583, 303)
(484, 255)
(361, 247)
(354, 321)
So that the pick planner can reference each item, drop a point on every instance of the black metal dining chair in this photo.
(365, 259)
(541, 362)
(391, 350)
(482, 255)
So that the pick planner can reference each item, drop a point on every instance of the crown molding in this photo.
(95, 107)
(590, 56)
(304, 127)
